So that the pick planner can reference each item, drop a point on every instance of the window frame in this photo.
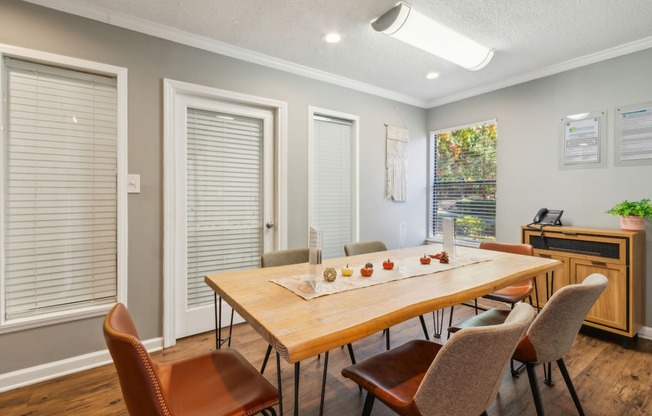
(75, 64)
(431, 180)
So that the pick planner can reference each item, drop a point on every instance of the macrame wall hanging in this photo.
(396, 161)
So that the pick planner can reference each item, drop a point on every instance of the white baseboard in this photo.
(32, 375)
(645, 333)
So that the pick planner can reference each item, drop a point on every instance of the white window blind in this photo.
(224, 197)
(59, 190)
(331, 183)
(464, 181)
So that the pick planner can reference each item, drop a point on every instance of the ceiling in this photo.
(531, 38)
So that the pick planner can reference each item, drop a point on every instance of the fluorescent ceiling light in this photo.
(410, 26)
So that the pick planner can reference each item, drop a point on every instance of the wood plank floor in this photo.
(610, 380)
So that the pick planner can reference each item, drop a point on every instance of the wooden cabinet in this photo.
(617, 254)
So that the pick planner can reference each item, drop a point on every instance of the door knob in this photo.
(269, 224)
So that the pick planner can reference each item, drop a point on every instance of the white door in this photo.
(225, 198)
(333, 179)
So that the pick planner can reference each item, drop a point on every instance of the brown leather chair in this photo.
(512, 294)
(459, 378)
(221, 382)
(552, 333)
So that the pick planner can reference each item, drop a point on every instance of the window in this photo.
(463, 181)
(61, 210)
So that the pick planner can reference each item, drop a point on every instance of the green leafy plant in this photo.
(640, 208)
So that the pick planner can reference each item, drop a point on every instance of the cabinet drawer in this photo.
(596, 248)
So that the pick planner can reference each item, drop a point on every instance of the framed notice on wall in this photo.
(633, 135)
(582, 141)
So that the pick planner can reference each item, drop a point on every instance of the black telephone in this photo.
(548, 217)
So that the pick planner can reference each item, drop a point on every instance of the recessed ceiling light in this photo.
(432, 75)
(333, 37)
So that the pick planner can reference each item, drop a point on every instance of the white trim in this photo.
(44, 372)
(49, 371)
(172, 92)
(122, 165)
(185, 38)
(645, 333)
(215, 46)
(616, 51)
(355, 183)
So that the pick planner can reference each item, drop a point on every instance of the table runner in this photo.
(300, 285)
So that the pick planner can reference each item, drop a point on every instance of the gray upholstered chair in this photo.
(285, 257)
(552, 333)
(373, 246)
(364, 247)
(459, 378)
(513, 293)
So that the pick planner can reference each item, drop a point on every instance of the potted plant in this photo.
(633, 214)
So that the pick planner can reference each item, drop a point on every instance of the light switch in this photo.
(133, 184)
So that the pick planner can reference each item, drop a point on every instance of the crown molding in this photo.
(211, 45)
(585, 60)
(175, 35)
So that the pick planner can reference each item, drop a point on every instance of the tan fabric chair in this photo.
(285, 257)
(512, 294)
(364, 247)
(221, 382)
(552, 333)
(461, 377)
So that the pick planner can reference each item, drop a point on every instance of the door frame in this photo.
(173, 91)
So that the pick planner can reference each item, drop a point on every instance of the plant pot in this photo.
(632, 222)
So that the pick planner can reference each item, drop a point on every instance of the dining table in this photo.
(302, 315)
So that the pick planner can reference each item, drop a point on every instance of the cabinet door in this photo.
(611, 307)
(559, 279)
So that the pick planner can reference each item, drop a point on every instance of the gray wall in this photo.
(149, 60)
(529, 117)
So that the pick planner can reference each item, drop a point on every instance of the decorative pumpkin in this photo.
(329, 274)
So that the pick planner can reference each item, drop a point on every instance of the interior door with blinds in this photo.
(228, 199)
(333, 184)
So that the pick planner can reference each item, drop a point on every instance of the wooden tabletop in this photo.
(299, 328)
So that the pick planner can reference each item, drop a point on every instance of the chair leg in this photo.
(475, 305)
(368, 404)
(569, 383)
(450, 323)
(267, 353)
(423, 325)
(387, 344)
(534, 386)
